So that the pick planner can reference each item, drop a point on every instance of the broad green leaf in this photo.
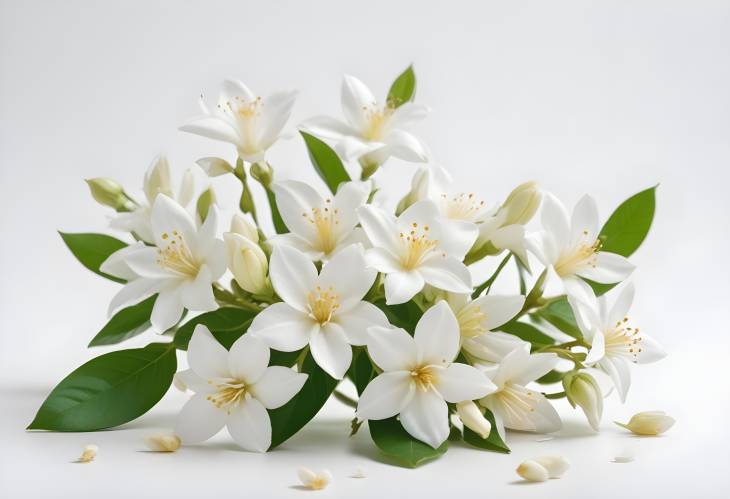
(393, 440)
(627, 227)
(493, 442)
(361, 370)
(551, 377)
(292, 416)
(206, 199)
(109, 390)
(405, 315)
(125, 324)
(527, 332)
(560, 315)
(279, 224)
(92, 250)
(403, 88)
(326, 162)
(226, 324)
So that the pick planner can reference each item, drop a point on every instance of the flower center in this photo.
(576, 258)
(518, 403)
(245, 114)
(424, 377)
(417, 246)
(176, 256)
(323, 304)
(230, 392)
(624, 341)
(325, 220)
(462, 206)
(377, 120)
(471, 320)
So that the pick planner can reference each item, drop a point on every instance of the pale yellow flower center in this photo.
(622, 340)
(578, 257)
(322, 304)
(230, 392)
(325, 221)
(462, 206)
(176, 256)
(377, 121)
(471, 320)
(424, 377)
(417, 246)
(246, 115)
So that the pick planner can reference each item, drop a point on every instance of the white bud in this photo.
(163, 442)
(248, 264)
(522, 203)
(556, 466)
(583, 390)
(649, 423)
(109, 193)
(473, 418)
(157, 180)
(89, 453)
(214, 167)
(419, 189)
(242, 224)
(532, 471)
(312, 480)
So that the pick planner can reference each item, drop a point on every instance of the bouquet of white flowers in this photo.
(349, 289)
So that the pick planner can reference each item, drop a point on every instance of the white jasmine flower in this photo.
(371, 132)
(243, 225)
(323, 311)
(164, 442)
(571, 251)
(243, 119)
(614, 344)
(314, 481)
(89, 453)
(648, 423)
(419, 376)
(477, 319)
(532, 471)
(514, 405)
(157, 180)
(181, 267)
(416, 248)
(234, 389)
(320, 226)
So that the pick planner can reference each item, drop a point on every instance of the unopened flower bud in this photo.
(419, 189)
(205, 201)
(532, 471)
(157, 180)
(556, 466)
(163, 442)
(648, 423)
(214, 167)
(583, 390)
(109, 193)
(312, 480)
(473, 418)
(242, 224)
(522, 203)
(89, 453)
(263, 173)
(248, 264)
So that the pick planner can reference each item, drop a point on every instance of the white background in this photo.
(600, 97)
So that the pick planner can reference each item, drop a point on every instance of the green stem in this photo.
(555, 396)
(488, 283)
(225, 297)
(368, 170)
(345, 399)
(246, 204)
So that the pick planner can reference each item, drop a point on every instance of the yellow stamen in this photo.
(176, 256)
(325, 221)
(577, 258)
(624, 341)
(424, 377)
(377, 121)
(462, 206)
(230, 392)
(323, 304)
(471, 320)
(417, 245)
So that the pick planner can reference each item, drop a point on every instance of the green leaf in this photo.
(109, 390)
(403, 88)
(292, 416)
(279, 224)
(393, 440)
(125, 324)
(551, 377)
(560, 315)
(361, 370)
(92, 250)
(404, 315)
(493, 442)
(527, 332)
(227, 324)
(627, 227)
(326, 162)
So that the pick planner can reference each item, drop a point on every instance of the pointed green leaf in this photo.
(560, 315)
(527, 332)
(393, 440)
(279, 224)
(361, 370)
(125, 324)
(93, 249)
(292, 416)
(403, 88)
(227, 324)
(109, 390)
(493, 442)
(627, 227)
(326, 162)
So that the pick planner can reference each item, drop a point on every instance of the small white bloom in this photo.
(157, 180)
(89, 453)
(419, 376)
(323, 311)
(233, 389)
(648, 423)
(614, 343)
(532, 471)
(583, 390)
(571, 251)
(477, 319)
(163, 442)
(180, 268)
(314, 481)
(473, 418)
(416, 248)
(241, 118)
(513, 404)
(371, 132)
(243, 225)
(556, 466)
(214, 167)
(320, 226)
(248, 264)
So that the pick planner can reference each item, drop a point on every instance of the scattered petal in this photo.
(544, 439)
(623, 459)
(359, 473)
(532, 471)
(89, 453)
(165, 442)
(556, 466)
(314, 481)
(648, 423)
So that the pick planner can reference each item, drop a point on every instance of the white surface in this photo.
(599, 97)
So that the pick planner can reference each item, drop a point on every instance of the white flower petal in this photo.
(133, 293)
(621, 306)
(293, 276)
(350, 196)
(347, 273)
(555, 218)
(460, 382)
(356, 99)
(392, 349)
(356, 321)
(199, 420)
(610, 268)
(295, 201)
(382, 260)
(492, 346)
(198, 293)
(537, 366)
(277, 386)
(250, 426)
(498, 309)
(248, 358)
(277, 110)
(402, 286)
(331, 351)
(168, 219)
(327, 128)
(167, 310)
(230, 89)
(406, 146)
(457, 237)
(584, 222)
(651, 351)
(206, 357)
(447, 273)
(385, 396)
(116, 264)
(408, 113)
(437, 335)
(598, 348)
(426, 418)
(380, 228)
(283, 328)
(212, 127)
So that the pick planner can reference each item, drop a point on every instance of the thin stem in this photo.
(555, 396)
(225, 297)
(345, 399)
(246, 204)
(488, 283)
